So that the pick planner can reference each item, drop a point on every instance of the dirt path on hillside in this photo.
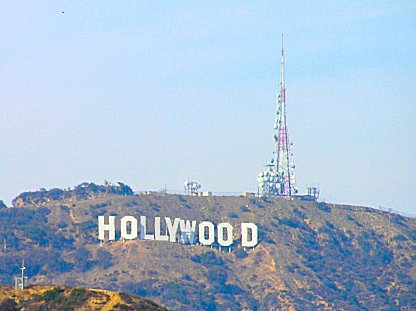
(71, 214)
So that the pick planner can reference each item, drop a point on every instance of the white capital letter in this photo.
(244, 234)
(229, 229)
(158, 236)
(103, 227)
(143, 234)
(133, 225)
(187, 230)
(172, 228)
(202, 239)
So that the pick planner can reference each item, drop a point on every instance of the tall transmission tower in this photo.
(278, 176)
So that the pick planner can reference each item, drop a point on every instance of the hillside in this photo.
(65, 298)
(310, 255)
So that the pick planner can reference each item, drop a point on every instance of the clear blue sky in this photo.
(151, 93)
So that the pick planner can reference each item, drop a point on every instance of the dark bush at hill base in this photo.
(240, 253)
(8, 305)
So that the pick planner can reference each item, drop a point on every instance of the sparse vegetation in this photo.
(81, 192)
(68, 299)
(240, 253)
(233, 215)
(323, 207)
(244, 208)
(309, 252)
(52, 294)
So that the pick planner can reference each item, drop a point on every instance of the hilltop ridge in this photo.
(310, 254)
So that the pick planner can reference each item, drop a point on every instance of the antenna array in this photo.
(278, 175)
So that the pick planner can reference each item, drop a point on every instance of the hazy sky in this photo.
(150, 93)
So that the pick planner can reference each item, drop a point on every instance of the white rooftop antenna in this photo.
(23, 268)
(191, 187)
(21, 282)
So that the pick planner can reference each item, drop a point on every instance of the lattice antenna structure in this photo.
(278, 176)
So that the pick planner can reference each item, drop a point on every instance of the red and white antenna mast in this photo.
(278, 176)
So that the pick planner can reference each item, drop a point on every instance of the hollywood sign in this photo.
(178, 230)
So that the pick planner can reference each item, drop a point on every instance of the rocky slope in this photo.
(310, 255)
